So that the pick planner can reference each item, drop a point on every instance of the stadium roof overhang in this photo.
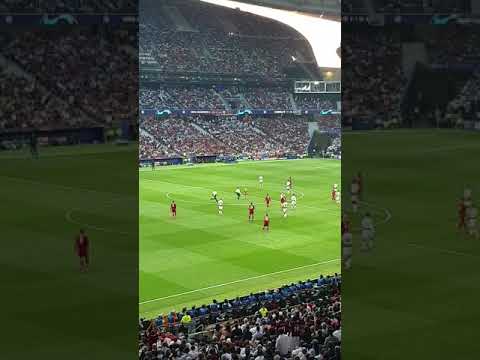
(323, 35)
(326, 7)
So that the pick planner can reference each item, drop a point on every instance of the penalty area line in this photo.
(237, 281)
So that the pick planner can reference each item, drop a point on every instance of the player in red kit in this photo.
(173, 209)
(360, 185)
(81, 248)
(462, 210)
(268, 200)
(266, 223)
(334, 192)
(251, 211)
(282, 199)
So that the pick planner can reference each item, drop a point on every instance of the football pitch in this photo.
(46, 202)
(415, 296)
(201, 255)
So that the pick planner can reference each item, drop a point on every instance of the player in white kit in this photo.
(214, 196)
(260, 180)
(293, 201)
(338, 196)
(220, 207)
(347, 249)
(285, 209)
(472, 227)
(467, 198)
(368, 233)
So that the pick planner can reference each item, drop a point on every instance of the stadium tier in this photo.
(221, 82)
(254, 138)
(429, 80)
(77, 77)
(296, 321)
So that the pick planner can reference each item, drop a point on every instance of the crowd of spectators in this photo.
(76, 77)
(443, 46)
(238, 44)
(297, 321)
(269, 98)
(229, 136)
(24, 104)
(217, 98)
(291, 131)
(93, 70)
(178, 137)
(466, 105)
(316, 101)
(180, 98)
(373, 79)
(242, 137)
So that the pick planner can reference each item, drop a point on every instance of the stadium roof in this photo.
(325, 7)
(323, 34)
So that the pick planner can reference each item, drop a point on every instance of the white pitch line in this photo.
(65, 187)
(236, 282)
(204, 188)
(70, 219)
(446, 251)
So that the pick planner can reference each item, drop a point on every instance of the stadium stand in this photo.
(296, 321)
(76, 54)
(433, 82)
(204, 68)
(373, 77)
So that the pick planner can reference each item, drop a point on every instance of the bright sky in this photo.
(324, 35)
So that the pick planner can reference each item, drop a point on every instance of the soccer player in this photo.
(338, 196)
(368, 232)
(152, 164)
(251, 211)
(266, 223)
(360, 185)
(173, 209)
(285, 209)
(82, 248)
(347, 250)
(293, 201)
(334, 192)
(354, 192)
(288, 186)
(472, 228)
(214, 196)
(268, 200)
(260, 180)
(220, 207)
(238, 193)
(245, 192)
(467, 197)
(283, 199)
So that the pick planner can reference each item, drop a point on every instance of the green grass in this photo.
(416, 295)
(50, 309)
(201, 255)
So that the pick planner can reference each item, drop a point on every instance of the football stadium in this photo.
(415, 144)
(239, 158)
